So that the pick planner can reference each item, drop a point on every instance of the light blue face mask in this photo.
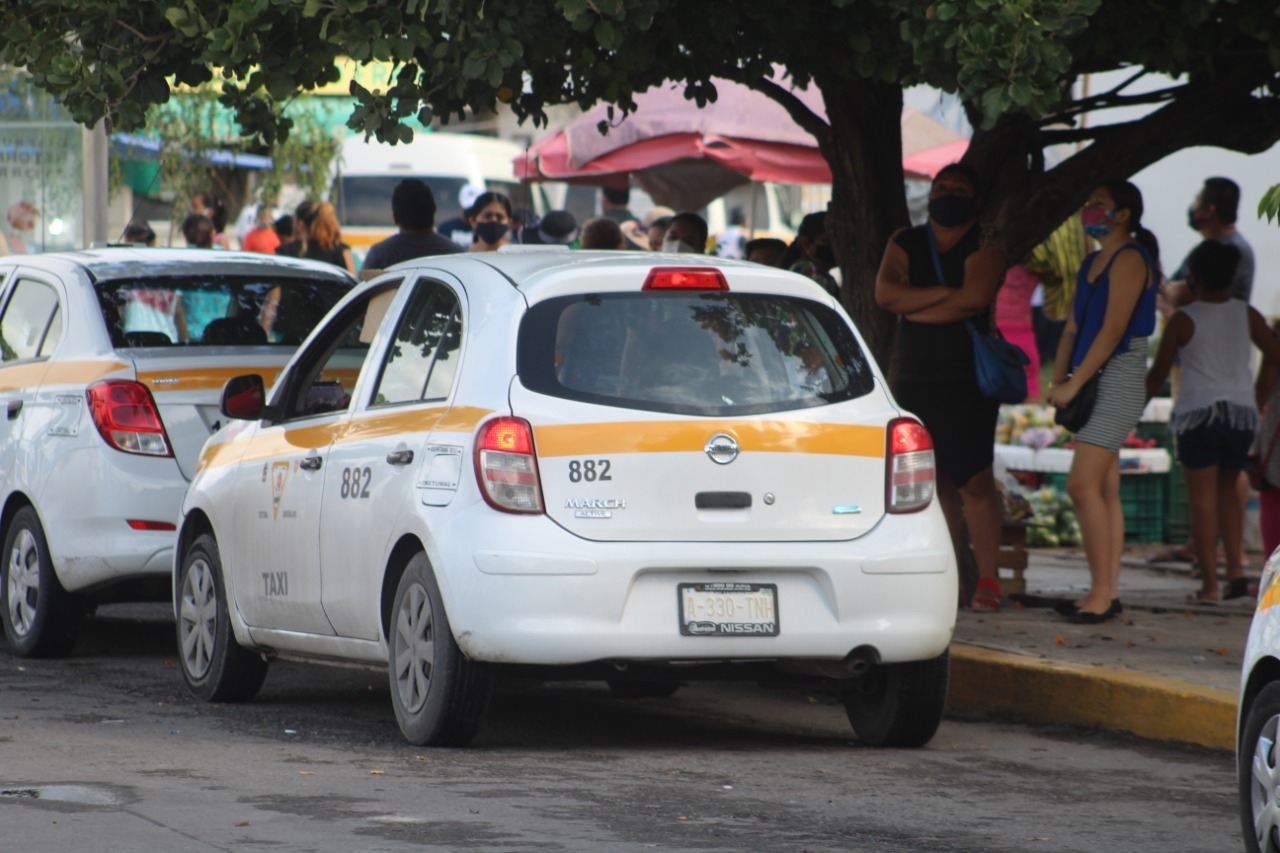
(678, 247)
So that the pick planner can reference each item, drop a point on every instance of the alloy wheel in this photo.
(23, 582)
(1265, 787)
(198, 618)
(414, 648)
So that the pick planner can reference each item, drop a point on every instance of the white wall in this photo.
(1169, 186)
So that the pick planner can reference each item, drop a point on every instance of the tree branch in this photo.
(795, 107)
(1112, 101)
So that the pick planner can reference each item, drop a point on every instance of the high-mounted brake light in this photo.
(126, 416)
(685, 278)
(507, 467)
(910, 473)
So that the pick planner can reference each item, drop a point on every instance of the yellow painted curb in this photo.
(991, 683)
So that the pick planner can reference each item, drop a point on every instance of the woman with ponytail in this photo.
(1106, 334)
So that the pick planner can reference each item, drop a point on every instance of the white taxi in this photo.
(621, 466)
(111, 366)
(1258, 720)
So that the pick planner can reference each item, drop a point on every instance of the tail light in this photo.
(910, 472)
(507, 466)
(126, 416)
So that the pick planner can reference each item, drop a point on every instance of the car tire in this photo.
(215, 667)
(440, 697)
(643, 689)
(41, 619)
(1258, 768)
(899, 705)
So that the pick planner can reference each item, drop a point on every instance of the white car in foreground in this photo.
(111, 365)
(621, 466)
(1258, 720)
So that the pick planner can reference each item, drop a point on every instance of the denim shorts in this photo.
(1215, 443)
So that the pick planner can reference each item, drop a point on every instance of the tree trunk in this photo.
(868, 203)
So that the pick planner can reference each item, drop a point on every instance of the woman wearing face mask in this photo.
(490, 219)
(811, 254)
(936, 378)
(1114, 311)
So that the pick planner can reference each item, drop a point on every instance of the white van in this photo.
(366, 173)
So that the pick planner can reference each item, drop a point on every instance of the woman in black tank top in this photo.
(934, 376)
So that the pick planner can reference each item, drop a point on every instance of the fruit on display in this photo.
(1054, 524)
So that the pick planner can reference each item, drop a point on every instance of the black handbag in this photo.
(999, 364)
(1075, 414)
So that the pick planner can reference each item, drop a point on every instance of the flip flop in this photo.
(1200, 598)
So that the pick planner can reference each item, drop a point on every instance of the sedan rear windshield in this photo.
(706, 353)
(217, 310)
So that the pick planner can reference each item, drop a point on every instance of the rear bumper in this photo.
(85, 506)
(559, 600)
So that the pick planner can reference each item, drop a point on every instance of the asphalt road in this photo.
(106, 751)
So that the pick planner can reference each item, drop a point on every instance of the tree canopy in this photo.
(1015, 64)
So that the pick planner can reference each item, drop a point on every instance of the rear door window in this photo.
(31, 325)
(706, 353)
(421, 361)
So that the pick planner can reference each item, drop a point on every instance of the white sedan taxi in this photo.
(636, 468)
(1258, 720)
(111, 366)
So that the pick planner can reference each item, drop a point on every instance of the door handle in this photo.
(15, 406)
(310, 463)
(400, 457)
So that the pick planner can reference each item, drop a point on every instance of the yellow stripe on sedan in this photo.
(32, 373)
(683, 436)
(275, 442)
(202, 378)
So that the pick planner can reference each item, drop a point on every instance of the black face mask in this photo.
(491, 232)
(824, 255)
(1191, 219)
(952, 210)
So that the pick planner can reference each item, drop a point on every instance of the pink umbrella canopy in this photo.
(684, 156)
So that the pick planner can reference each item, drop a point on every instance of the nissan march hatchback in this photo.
(111, 365)
(629, 467)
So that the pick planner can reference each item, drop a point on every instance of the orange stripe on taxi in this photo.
(56, 373)
(275, 443)
(683, 437)
(203, 378)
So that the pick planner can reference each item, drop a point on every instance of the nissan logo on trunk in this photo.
(721, 448)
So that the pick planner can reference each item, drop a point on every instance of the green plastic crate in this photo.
(1144, 497)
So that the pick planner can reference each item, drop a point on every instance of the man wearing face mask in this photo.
(939, 278)
(811, 254)
(1213, 214)
(686, 235)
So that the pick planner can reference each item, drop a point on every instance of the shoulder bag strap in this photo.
(933, 251)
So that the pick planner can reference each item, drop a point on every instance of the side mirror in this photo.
(243, 398)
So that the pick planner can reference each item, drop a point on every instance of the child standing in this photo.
(1215, 415)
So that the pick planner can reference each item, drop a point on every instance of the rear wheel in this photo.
(41, 619)
(439, 696)
(214, 665)
(899, 704)
(1258, 767)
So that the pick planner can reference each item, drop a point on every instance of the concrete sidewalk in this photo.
(1163, 669)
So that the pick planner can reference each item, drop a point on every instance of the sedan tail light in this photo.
(909, 467)
(507, 466)
(126, 416)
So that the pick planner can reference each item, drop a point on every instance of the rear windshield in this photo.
(217, 310)
(707, 353)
